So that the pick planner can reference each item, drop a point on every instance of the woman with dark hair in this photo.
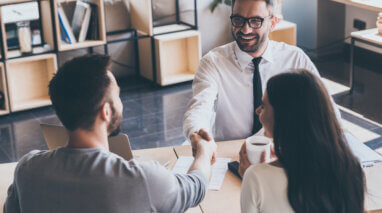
(315, 170)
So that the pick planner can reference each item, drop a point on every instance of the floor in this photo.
(153, 116)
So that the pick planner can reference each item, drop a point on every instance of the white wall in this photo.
(215, 28)
(370, 17)
(304, 14)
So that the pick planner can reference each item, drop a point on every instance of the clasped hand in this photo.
(202, 142)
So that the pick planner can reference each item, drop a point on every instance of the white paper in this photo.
(364, 153)
(219, 169)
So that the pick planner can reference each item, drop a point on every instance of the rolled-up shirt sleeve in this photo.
(201, 108)
(173, 192)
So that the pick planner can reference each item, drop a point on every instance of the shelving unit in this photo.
(172, 51)
(61, 46)
(284, 31)
(28, 80)
(141, 13)
(3, 87)
(169, 51)
(46, 26)
(177, 56)
(24, 78)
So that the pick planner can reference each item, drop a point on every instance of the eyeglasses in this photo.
(253, 22)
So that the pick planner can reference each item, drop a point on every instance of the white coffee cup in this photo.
(255, 146)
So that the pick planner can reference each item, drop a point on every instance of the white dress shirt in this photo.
(222, 101)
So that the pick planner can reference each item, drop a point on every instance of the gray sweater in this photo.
(95, 180)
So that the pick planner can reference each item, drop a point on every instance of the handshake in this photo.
(203, 145)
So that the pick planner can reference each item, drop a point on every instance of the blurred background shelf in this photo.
(4, 107)
(28, 79)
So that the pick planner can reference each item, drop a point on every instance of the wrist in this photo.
(202, 151)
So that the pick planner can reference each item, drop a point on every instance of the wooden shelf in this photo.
(85, 44)
(374, 5)
(36, 50)
(3, 87)
(28, 80)
(181, 76)
(170, 28)
(141, 16)
(177, 56)
(5, 2)
(46, 22)
(62, 46)
(284, 31)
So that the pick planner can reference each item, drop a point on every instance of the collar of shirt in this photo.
(244, 60)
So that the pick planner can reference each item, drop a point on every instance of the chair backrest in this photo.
(6, 179)
(57, 136)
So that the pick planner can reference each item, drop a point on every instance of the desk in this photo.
(169, 153)
(374, 5)
(369, 37)
(227, 199)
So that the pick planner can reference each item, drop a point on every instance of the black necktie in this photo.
(257, 95)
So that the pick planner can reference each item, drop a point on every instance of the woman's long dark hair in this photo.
(323, 174)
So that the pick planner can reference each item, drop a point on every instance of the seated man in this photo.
(85, 176)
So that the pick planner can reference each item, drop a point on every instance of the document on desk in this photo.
(219, 169)
(365, 154)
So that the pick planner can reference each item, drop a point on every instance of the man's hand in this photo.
(203, 135)
(201, 146)
(204, 154)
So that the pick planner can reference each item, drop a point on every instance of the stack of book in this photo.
(84, 24)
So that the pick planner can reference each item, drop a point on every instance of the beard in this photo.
(114, 127)
(245, 46)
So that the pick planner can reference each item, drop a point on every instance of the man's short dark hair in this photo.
(78, 90)
(271, 4)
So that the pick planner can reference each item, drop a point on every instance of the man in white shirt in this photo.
(230, 79)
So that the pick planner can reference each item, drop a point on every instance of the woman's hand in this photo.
(244, 162)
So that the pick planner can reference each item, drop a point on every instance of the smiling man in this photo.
(230, 79)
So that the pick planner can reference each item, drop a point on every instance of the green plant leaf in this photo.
(228, 2)
(214, 4)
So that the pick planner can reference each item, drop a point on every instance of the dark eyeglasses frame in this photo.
(246, 20)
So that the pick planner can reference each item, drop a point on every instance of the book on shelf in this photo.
(12, 35)
(2, 100)
(81, 20)
(66, 31)
(93, 31)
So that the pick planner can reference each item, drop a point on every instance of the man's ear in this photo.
(106, 112)
(274, 21)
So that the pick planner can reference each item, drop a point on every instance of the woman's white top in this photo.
(264, 189)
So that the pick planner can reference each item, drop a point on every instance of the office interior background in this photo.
(154, 104)
(155, 55)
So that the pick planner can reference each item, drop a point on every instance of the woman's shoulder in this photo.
(265, 171)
